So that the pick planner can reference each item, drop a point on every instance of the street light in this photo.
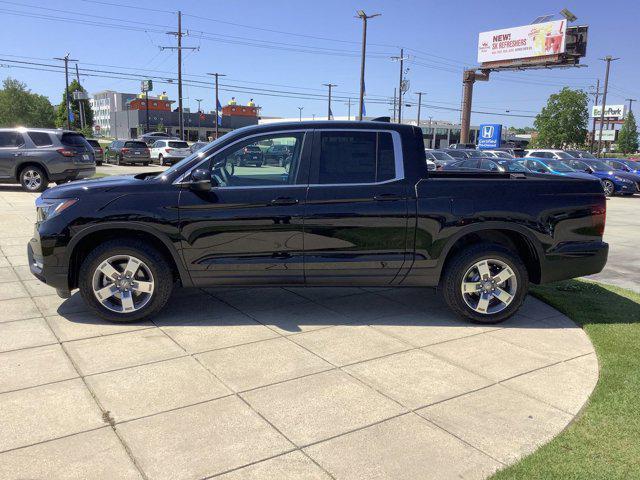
(300, 108)
(364, 18)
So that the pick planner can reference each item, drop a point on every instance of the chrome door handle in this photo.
(386, 197)
(282, 201)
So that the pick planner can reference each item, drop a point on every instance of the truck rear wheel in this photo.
(125, 280)
(485, 283)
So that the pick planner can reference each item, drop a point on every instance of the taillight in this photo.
(124, 150)
(599, 218)
(65, 152)
(168, 150)
(100, 151)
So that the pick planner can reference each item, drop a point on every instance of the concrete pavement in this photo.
(274, 383)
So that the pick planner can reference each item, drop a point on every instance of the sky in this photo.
(281, 52)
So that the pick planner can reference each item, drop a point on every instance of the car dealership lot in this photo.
(301, 382)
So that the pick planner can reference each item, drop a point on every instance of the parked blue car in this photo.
(622, 164)
(552, 166)
(613, 181)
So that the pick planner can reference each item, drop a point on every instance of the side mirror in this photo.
(588, 170)
(201, 180)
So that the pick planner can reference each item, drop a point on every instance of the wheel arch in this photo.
(516, 238)
(90, 237)
(30, 163)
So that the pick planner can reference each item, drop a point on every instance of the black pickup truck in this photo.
(355, 206)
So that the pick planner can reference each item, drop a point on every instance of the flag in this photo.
(330, 114)
(364, 110)
(218, 106)
(218, 113)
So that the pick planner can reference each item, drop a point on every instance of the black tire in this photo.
(118, 159)
(98, 164)
(161, 160)
(146, 164)
(608, 187)
(160, 269)
(458, 266)
(28, 176)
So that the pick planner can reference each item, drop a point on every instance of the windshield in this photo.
(564, 155)
(442, 156)
(558, 166)
(511, 166)
(458, 154)
(599, 166)
(502, 155)
(632, 165)
(94, 143)
(581, 154)
(135, 144)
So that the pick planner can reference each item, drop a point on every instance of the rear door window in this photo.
(40, 139)
(355, 157)
(11, 140)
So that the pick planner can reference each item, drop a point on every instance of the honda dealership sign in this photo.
(529, 41)
(490, 135)
(610, 111)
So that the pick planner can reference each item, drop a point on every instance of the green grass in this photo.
(604, 442)
(100, 175)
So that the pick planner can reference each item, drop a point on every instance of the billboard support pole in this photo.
(469, 77)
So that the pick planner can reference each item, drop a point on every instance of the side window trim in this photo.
(397, 153)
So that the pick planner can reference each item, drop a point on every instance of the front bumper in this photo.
(574, 259)
(53, 275)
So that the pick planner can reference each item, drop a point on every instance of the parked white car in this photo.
(548, 153)
(166, 152)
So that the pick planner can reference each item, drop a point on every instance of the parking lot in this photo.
(281, 383)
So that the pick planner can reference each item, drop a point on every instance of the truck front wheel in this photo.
(485, 283)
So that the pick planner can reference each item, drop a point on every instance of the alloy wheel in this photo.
(489, 286)
(608, 187)
(123, 284)
(32, 179)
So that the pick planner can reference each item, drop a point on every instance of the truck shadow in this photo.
(303, 309)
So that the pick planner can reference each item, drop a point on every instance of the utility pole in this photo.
(395, 93)
(300, 113)
(348, 104)
(80, 104)
(419, 105)
(364, 18)
(179, 48)
(607, 59)
(217, 75)
(199, 113)
(630, 100)
(66, 61)
(330, 85)
(400, 59)
(596, 94)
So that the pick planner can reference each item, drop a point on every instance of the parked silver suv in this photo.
(33, 157)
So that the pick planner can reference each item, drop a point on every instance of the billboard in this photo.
(529, 41)
(610, 111)
(489, 136)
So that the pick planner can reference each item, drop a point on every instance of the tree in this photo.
(61, 113)
(563, 121)
(628, 136)
(160, 127)
(20, 107)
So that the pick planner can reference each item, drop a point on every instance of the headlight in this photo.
(47, 208)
